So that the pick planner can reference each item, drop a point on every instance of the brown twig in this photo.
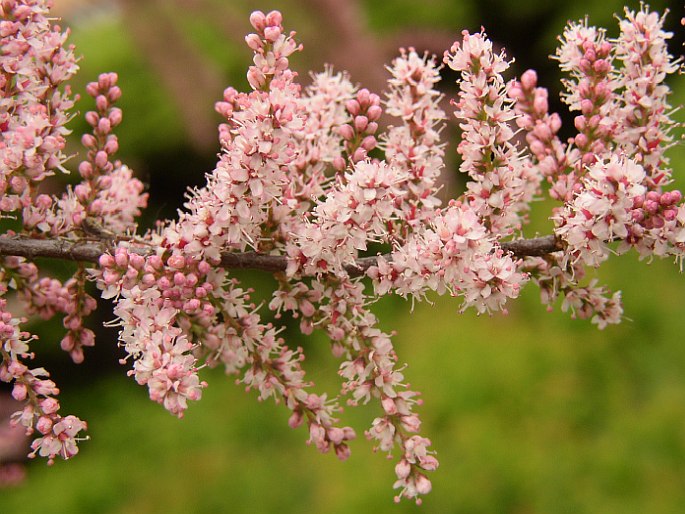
(90, 251)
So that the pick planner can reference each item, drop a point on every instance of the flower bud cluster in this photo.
(250, 177)
(271, 46)
(152, 291)
(587, 56)
(556, 278)
(359, 134)
(320, 144)
(48, 297)
(109, 192)
(532, 107)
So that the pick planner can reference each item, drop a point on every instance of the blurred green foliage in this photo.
(530, 412)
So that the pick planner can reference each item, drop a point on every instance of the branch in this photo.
(90, 251)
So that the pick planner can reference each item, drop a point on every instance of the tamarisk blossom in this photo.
(415, 145)
(453, 254)
(502, 182)
(644, 122)
(58, 435)
(175, 308)
(34, 103)
(350, 216)
(615, 204)
(309, 180)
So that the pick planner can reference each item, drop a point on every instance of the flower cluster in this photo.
(312, 186)
(58, 435)
(34, 109)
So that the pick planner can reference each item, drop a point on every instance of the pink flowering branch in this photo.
(307, 183)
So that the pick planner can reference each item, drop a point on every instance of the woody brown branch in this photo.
(90, 251)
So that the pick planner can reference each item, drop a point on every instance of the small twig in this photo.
(90, 251)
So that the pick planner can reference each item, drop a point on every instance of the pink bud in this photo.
(148, 279)
(43, 201)
(339, 163)
(651, 206)
(272, 34)
(176, 261)
(19, 392)
(115, 116)
(274, 18)
(601, 66)
(374, 112)
(44, 425)
(112, 145)
(336, 435)
(529, 79)
(586, 106)
(352, 107)
(85, 169)
(295, 420)
(346, 132)
(402, 469)
(92, 89)
(101, 103)
(106, 260)
(369, 143)
(653, 196)
(543, 132)
(192, 305)
(114, 94)
(179, 278)
(359, 155)
(581, 140)
(104, 126)
(514, 91)
(258, 20)
(92, 118)
(254, 42)
(389, 406)
(540, 104)
(101, 159)
(88, 140)
(105, 81)
(555, 122)
(203, 267)
(360, 123)
(423, 485)
(537, 147)
(81, 191)
(121, 258)
(342, 451)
